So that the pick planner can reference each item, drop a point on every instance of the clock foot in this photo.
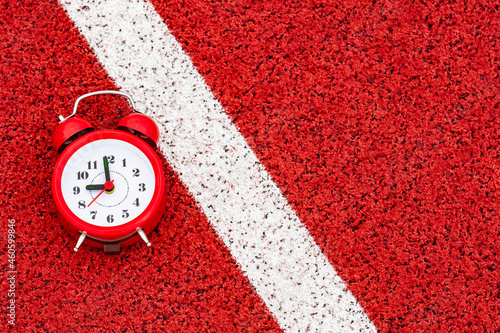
(143, 236)
(80, 241)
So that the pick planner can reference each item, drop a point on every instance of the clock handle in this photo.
(102, 92)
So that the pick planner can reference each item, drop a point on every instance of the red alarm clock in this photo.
(108, 185)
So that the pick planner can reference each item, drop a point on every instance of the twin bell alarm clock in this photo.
(108, 185)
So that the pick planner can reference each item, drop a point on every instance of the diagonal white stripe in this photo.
(247, 210)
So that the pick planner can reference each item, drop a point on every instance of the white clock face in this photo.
(108, 182)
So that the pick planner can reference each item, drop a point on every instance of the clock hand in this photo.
(106, 168)
(95, 187)
(108, 186)
(107, 175)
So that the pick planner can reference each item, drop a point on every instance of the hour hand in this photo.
(95, 187)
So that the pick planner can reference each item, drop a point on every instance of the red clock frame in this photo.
(124, 234)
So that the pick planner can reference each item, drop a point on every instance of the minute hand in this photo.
(106, 168)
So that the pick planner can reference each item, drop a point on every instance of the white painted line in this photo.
(245, 207)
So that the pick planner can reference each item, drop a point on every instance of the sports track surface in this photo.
(331, 166)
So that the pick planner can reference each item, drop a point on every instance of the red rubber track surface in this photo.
(378, 121)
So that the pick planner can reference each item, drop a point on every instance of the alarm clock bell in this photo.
(141, 126)
(69, 131)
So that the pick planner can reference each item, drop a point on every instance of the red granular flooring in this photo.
(378, 121)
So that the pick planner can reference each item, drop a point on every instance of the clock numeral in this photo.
(81, 204)
(92, 165)
(142, 187)
(136, 172)
(110, 218)
(76, 190)
(124, 162)
(82, 175)
(125, 213)
(136, 202)
(111, 159)
(93, 214)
